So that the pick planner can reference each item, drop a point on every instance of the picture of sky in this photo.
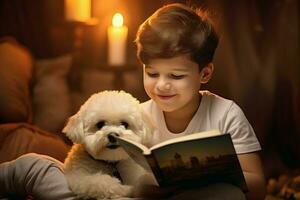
(214, 146)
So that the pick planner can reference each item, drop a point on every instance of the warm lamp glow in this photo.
(117, 20)
(78, 10)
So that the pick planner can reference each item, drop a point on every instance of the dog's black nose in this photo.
(111, 137)
(112, 141)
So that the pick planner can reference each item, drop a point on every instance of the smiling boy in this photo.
(176, 46)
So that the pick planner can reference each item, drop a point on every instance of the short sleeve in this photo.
(242, 133)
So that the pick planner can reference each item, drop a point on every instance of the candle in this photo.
(78, 10)
(117, 37)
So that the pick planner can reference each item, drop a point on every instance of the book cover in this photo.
(190, 161)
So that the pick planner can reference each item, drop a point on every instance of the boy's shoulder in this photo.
(219, 106)
(215, 100)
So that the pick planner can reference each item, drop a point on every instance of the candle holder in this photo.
(77, 18)
(78, 29)
(118, 71)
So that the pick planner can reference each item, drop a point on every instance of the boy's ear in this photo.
(206, 73)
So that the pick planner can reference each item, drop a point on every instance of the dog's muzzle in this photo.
(112, 141)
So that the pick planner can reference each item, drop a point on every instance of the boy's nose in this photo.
(163, 84)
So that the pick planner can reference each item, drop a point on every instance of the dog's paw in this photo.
(118, 191)
(100, 186)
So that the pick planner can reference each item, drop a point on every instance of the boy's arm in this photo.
(254, 175)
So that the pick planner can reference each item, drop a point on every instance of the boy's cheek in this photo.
(148, 84)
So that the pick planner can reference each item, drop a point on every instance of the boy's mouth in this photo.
(165, 97)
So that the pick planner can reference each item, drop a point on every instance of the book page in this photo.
(133, 146)
(187, 138)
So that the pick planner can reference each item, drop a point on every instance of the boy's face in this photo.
(173, 83)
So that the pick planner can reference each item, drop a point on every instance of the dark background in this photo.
(257, 62)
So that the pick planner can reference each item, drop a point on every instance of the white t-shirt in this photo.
(214, 112)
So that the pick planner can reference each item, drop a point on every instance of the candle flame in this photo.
(117, 20)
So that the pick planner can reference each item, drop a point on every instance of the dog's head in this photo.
(105, 115)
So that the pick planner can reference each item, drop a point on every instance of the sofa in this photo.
(38, 95)
(28, 123)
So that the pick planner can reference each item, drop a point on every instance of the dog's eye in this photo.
(100, 124)
(125, 124)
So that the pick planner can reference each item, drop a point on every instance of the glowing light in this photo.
(117, 41)
(78, 10)
(117, 20)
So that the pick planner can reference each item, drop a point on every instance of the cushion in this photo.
(17, 139)
(51, 95)
(15, 77)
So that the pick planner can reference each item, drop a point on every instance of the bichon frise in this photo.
(90, 166)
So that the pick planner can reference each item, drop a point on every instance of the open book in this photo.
(189, 161)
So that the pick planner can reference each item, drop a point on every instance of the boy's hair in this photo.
(176, 29)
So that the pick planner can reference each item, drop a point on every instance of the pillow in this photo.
(15, 77)
(51, 95)
(17, 139)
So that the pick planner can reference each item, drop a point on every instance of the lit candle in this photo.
(78, 10)
(117, 37)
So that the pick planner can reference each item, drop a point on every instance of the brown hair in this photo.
(177, 29)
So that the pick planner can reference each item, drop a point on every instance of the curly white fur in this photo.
(87, 167)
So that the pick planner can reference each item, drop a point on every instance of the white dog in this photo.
(90, 167)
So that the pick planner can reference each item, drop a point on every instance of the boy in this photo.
(176, 47)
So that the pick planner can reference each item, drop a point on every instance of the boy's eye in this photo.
(153, 75)
(174, 76)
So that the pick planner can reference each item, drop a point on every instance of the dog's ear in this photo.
(74, 128)
(147, 129)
